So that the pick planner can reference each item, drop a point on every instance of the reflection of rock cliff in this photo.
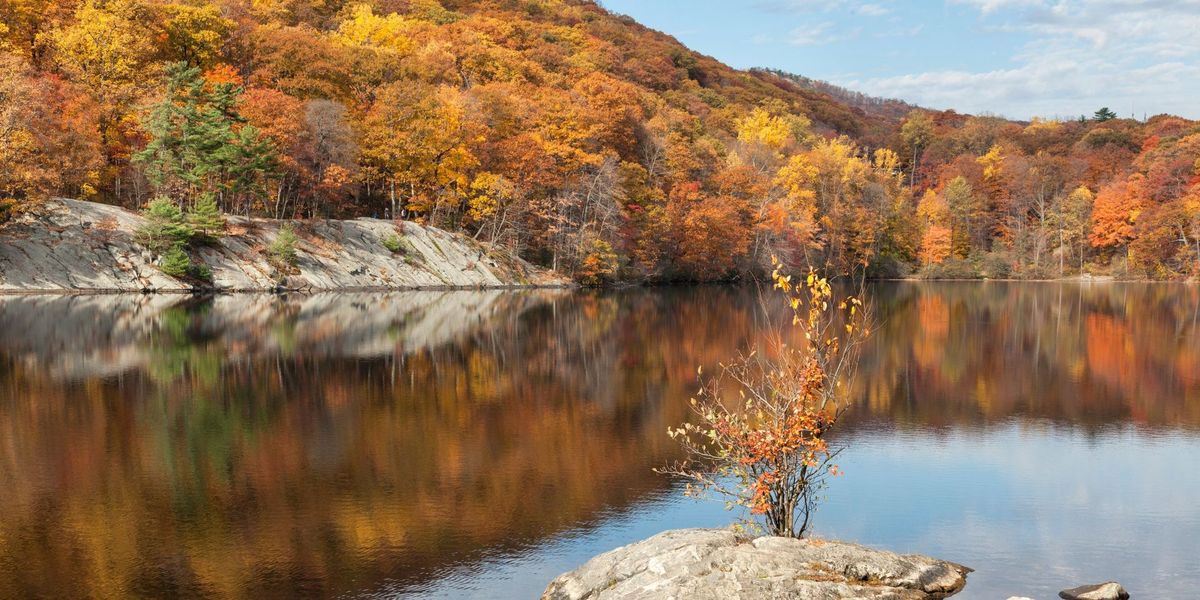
(73, 245)
(277, 456)
(77, 337)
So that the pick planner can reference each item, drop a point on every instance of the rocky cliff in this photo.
(71, 245)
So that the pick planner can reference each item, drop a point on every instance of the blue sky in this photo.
(1016, 58)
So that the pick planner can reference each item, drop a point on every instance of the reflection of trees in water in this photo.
(953, 353)
(267, 460)
(257, 446)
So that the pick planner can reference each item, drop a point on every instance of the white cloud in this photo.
(797, 6)
(991, 6)
(872, 10)
(818, 35)
(1078, 55)
(865, 9)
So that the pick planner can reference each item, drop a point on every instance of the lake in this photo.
(476, 444)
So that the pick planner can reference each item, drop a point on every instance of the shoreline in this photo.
(565, 285)
(73, 247)
(278, 291)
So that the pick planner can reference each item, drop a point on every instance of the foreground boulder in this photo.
(721, 564)
(1104, 591)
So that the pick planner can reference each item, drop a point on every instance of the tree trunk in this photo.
(1062, 254)
(392, 198)
(912, 174)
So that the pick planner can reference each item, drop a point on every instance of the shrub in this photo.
(1038, 272)
(396, 245)
(8, 208)
(170, 232)
(205, 221)
(995, 265)
(765, 449)
(165, 226)
(951, 268)
(598, 265)
(1119, 268)
(175, 262)
(282, 251)
(888, 267)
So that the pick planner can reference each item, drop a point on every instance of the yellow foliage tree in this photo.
(763, 128)
(107, 48)
(194, 34)
(419, 140)
(991, 162)
(362, 27)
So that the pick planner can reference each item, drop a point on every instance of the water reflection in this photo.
(426, 442)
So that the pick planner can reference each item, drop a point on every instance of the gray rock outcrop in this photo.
(1104, 591)
(722, 564)
(71, 245)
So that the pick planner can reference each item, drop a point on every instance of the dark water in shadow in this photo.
(476, 444)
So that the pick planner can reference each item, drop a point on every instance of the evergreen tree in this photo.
(247, 162)
(167, 156)
(165, 226)
(205, 219)
(200, 144)
(175, 262)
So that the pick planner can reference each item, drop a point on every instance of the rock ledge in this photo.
(721, 564)
(75, 246)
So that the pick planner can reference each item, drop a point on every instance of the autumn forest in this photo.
(573, 137)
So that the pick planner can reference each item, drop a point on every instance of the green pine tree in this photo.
(205, 219)
(175, 262)
(248, 161)
(200, 145)
(165, 226)
(167, 157)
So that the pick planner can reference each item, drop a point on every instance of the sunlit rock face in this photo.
(717, 564)
(74, 245)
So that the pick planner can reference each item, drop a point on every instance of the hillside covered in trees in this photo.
(571, 136)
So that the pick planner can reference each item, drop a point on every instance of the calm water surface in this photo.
(476, 444)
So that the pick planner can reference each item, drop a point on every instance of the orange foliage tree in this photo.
(936, 239)
(1115, 212)
(766, 449)
(49, 140)
(935, 245)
